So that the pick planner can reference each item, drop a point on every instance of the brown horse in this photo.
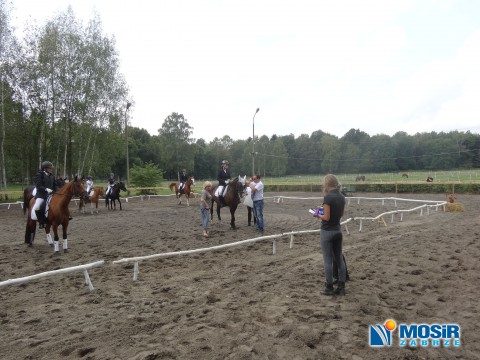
(187, 189)
(98, 191)
(58, 213)
(360, 178)
(232, 197)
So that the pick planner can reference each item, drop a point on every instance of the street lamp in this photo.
(253, 143)
(126, 143)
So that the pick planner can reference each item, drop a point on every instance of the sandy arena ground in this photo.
(241, 302)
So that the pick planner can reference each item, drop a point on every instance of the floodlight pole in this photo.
(126, 143)
(253, 143)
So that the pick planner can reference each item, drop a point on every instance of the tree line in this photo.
(63, 99)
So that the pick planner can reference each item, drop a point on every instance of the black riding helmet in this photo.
(47, 165)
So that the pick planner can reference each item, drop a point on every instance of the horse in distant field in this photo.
(98, 191)
(451, 198)
(114, 196)
(429, 179)
(360, 178)
(187, 189)
(58, 213)
(233, 194)
(405, 175)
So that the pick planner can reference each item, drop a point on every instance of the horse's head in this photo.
(191, 179)
(121, 186)
(77, 188)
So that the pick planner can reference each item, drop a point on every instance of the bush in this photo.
(147, 176)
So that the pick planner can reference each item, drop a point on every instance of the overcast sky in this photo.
(381, 66)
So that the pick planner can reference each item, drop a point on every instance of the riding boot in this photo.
(328, 290)
(340, 290)
(40, 218)
(222, 201)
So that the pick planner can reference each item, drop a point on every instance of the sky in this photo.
(374, 65)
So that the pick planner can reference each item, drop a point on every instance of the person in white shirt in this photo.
(257, 194)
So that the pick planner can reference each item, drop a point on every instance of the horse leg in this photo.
(49, 236)
(218, 212)
(232, 218)
(91, 208)
(120, 203)
(30, 231)
(55, 239)
(65, 240)
(179, 200)
(187, 195)
(96, 205)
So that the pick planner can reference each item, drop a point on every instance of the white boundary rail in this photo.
(137, 259)
(83, 268)
(14, 203)
(277, 199)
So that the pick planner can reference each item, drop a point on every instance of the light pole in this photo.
(253, 143)
(126, 143)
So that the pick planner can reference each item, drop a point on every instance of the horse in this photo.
(114, 195)
(360, 178)
(98, 191)
(58, 214)
(405, 175)
(186, 189)
(232, 197)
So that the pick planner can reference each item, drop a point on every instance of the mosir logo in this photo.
(413, 335)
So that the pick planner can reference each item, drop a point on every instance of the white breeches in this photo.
(38, 204)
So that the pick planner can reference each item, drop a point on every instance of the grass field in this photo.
(15, 192)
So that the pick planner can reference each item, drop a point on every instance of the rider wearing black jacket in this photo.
(223, 178)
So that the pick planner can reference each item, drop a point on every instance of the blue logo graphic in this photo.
(381, 335)
(413, 335)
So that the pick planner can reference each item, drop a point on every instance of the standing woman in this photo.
(205, 201)
(331, 234)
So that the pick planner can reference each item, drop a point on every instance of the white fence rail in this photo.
(83, 268)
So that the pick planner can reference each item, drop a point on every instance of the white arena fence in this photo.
(13, 203)
(83, 268)
(277, 199)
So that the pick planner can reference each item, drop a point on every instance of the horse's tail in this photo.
(172, 185)
(30, 231)
(27, 195)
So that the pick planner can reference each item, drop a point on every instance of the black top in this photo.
(44, 181)
(336, 201)
(222, 176)
(183, 177)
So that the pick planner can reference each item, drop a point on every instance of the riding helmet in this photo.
(47, 164)
(225, 162)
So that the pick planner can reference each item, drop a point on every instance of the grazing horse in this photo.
(360, 178)
(114, 195)
(405, 175)
(58, 213)
(187, 189)
(98, 191)
(232, 197)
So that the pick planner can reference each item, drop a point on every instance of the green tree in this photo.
(148, 175)
(176, 144)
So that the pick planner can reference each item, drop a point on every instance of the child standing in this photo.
(205, 201)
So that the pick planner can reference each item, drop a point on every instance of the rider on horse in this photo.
(45, 185)
(89, 183)
(110, 183)
(183, 179)
(223, 178)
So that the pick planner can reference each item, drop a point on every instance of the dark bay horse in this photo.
(114, 196)
(58, 213)
(232, 197)
(98, 191)
(187, 189)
